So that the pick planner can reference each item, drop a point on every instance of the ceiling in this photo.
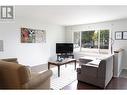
(71, 15)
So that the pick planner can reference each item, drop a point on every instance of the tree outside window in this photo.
(104, 39)
(89, 39)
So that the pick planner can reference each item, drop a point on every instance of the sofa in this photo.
(17, 76)
(96, 72)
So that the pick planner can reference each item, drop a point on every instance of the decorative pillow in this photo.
(94, 62)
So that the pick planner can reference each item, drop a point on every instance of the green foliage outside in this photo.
(90, 38)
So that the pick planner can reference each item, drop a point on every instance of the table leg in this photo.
(75, 64)
(58, 70)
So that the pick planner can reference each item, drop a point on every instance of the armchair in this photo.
(17, 76)
(96, 74)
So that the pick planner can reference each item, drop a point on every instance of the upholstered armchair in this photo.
(16, 76)
(98, 73)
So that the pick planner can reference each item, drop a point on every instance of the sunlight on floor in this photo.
(67, 76)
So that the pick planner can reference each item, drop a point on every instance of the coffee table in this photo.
(64, 62)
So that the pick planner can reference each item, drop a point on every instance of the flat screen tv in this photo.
(64, 47)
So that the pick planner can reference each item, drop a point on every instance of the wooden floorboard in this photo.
(115, 83)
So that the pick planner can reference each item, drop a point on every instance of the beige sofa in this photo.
(16, 76)
(98, 74)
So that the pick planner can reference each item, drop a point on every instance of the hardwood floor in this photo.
(115, 83)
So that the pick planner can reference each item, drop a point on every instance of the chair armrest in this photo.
(39, 79)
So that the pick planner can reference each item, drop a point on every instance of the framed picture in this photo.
(118, 35)
(33, 35)
(125, 35)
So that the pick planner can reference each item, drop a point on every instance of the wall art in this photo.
(33, 35)
(118, 35)
(125, 35)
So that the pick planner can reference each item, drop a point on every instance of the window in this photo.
(92, 41)
(104, 39)
(89, 39)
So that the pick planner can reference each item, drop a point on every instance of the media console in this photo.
(65, 55)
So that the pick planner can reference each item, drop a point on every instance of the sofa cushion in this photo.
(94, 62)
(38, 78)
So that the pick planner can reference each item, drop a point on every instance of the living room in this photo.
(60, 24)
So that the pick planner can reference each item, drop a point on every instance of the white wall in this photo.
(29, 53)
(118, 25)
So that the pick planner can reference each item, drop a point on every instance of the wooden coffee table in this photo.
(64, 62)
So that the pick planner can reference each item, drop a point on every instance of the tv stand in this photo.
(64, 55)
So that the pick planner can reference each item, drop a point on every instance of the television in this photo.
(64, 47)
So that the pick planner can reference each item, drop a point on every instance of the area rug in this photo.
(67, 76)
